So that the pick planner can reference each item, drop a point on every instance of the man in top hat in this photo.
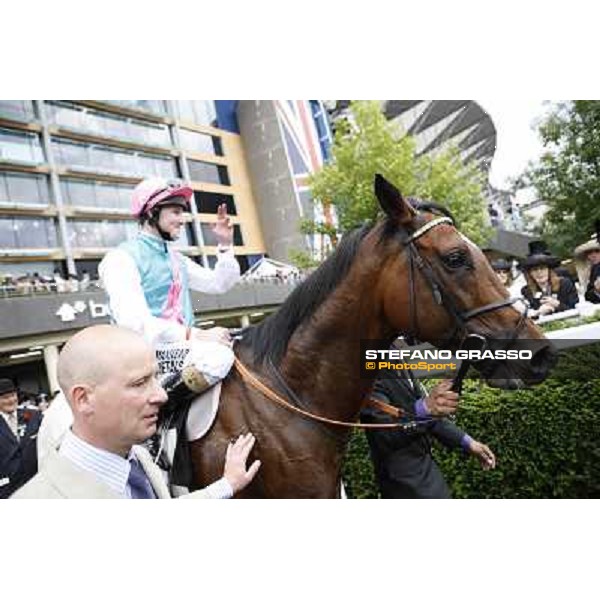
(18, 433)
(590, 251)
(546, 292)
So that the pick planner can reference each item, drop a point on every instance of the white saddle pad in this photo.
(202, 413)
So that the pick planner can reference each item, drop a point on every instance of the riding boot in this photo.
(183, 385)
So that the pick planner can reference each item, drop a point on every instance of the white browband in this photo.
(430, 225)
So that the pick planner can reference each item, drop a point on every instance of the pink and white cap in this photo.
(157, 190)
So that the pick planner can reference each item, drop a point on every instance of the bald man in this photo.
(108, 375)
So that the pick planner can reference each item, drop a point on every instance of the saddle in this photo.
(187, 416)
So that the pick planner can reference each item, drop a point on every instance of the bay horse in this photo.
(411, 272)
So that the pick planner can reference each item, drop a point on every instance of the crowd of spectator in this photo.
(34, 283)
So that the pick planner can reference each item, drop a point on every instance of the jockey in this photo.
(148, 282)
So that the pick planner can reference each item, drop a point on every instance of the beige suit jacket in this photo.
(59, 478)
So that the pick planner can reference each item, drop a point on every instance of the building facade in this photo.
(67, 169)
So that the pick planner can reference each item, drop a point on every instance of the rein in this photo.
(258, 385)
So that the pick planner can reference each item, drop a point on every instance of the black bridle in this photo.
(441, 297)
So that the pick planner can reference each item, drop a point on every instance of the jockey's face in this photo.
(171, 220)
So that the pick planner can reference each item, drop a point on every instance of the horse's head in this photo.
(438, 286)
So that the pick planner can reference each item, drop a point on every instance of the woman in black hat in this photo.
(503, 269)
(546, 292)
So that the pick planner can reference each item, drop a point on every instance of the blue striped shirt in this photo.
(111, 469)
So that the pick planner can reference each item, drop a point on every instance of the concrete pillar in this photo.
(51, 362)
(245, 321)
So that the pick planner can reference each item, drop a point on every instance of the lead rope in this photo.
(246, 375)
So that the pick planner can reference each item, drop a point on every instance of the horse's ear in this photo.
(392, 202)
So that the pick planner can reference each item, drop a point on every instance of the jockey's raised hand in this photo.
(223, 228)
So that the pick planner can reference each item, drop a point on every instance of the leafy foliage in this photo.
(367, 144)
(567, 176)
(545, 439)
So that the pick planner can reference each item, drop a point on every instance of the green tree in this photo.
(367, 144)
(567, 176)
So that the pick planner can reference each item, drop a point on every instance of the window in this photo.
(84, 193)
(100, 234)
(197, 111)
(107, 125)
(70, 153)
(78, 192)
(27, 232)
(150, 133)
(106, 159)
(207, 202)
(18, 188)
(152, 165)
(152, 106)
(211, 240)
(20, 146)
(64, 115)
(197, 142)
(17, 110)
(207, 172)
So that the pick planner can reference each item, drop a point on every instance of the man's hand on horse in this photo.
(235, 463)
(442, 401)
(223, 228)
(220, 335)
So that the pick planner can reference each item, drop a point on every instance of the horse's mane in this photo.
(270, 338)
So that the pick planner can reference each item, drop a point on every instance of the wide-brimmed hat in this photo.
(501, 264)
(7, 386)
(539, 256)
(591, 245)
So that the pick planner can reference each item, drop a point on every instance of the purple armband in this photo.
(421, 409)
(466, 442)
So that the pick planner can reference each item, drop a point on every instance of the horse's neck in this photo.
(322, 362)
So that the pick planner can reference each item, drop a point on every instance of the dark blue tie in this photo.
(139, 483)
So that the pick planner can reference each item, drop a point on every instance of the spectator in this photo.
(59, 282)
(546, 292)
(503, 269)
(18, 433)
(590, 252)
(84, 284)
(114, 397)
(72, 283)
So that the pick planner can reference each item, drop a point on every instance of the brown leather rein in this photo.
(250, 378)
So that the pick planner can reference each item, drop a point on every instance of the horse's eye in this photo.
(455, 259)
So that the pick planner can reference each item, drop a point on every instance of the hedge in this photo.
(546, 439)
